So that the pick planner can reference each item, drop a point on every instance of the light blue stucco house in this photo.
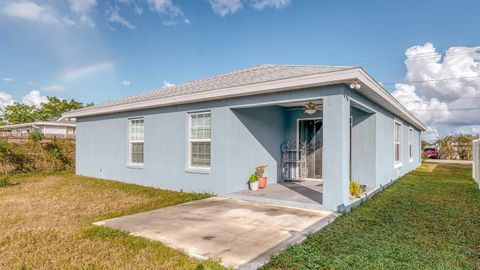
(209, 135)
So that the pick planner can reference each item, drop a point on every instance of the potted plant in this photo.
(355, 190)
(253, 182)
(262, 178)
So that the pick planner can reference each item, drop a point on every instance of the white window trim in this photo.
(410, 144)
(130, 163)
(397, 164)
(196, 169)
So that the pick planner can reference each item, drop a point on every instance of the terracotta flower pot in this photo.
(262, 182)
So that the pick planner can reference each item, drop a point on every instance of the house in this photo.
(54, 127)
(209, 135)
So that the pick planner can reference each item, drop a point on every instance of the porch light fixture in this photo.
(355, 85)
(311, 108)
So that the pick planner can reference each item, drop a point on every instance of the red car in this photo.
(431, 152)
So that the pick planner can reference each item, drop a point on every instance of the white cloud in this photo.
(168, 84)
(430, 135)
(225, 7)
(33, 12)
(171, 13)
(86, 20)
(113, 15)
(261, 4)
(428, 110)
(126, 83)
(54, 88)
(425, 63)
(442, 89)
(475, 129)
(82, 6)
(30, 11)
(34, 98)
(7, 79)
(5, 99)
(137, 8)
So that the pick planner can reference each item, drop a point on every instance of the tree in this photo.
(55, 107)
(18, 113)
(457, 146)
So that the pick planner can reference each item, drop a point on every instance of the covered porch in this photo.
(312, 147)
(303, 194)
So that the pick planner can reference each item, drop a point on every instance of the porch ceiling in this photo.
(301, 103)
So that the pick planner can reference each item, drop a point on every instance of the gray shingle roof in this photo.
(248, 76)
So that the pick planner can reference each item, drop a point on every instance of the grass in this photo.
(429, 219)
(45, 222)
(5, 182)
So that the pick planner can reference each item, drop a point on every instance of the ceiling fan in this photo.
(309, 108)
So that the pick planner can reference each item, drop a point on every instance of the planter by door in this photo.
(253, 185)
(262, 182)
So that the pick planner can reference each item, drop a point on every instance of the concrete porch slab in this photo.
(304, 194)
(243, 234)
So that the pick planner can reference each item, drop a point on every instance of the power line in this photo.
(455, 109)
(418, 56)
(433, 80)
(443, 99)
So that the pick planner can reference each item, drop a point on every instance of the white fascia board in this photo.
(17, 125)
(322, 79)
(51, 124)
(333, 77)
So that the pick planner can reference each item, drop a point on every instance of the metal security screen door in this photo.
(310, 131)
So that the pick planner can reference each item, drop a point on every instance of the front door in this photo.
(310, 132)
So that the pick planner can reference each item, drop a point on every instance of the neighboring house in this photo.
(52, 127)
(209, 135)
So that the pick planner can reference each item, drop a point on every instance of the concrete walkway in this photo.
(243, 234)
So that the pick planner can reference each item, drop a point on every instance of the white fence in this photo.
(476, 160)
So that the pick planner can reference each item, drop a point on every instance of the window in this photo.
(135, 134)
(410, 144)
(199, 140)
(397, 142)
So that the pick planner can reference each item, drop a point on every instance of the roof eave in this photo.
(321, 79)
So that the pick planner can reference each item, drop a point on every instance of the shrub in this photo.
(355, 189)
(35, 136)
(13, 159)
(260, 170)
(5, 182)
(55, 149)
(30, 156)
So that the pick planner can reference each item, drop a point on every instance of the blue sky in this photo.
(100, 50)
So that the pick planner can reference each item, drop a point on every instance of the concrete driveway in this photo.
(243, 234)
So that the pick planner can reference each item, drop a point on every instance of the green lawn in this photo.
(429, 219)
(45, 223)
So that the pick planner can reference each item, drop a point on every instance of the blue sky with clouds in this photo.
(94, 50)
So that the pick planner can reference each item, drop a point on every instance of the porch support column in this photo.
(336, 147)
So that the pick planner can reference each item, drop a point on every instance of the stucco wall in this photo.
(384, 147)
(255, 136)
(363, 147)
(246, 132)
